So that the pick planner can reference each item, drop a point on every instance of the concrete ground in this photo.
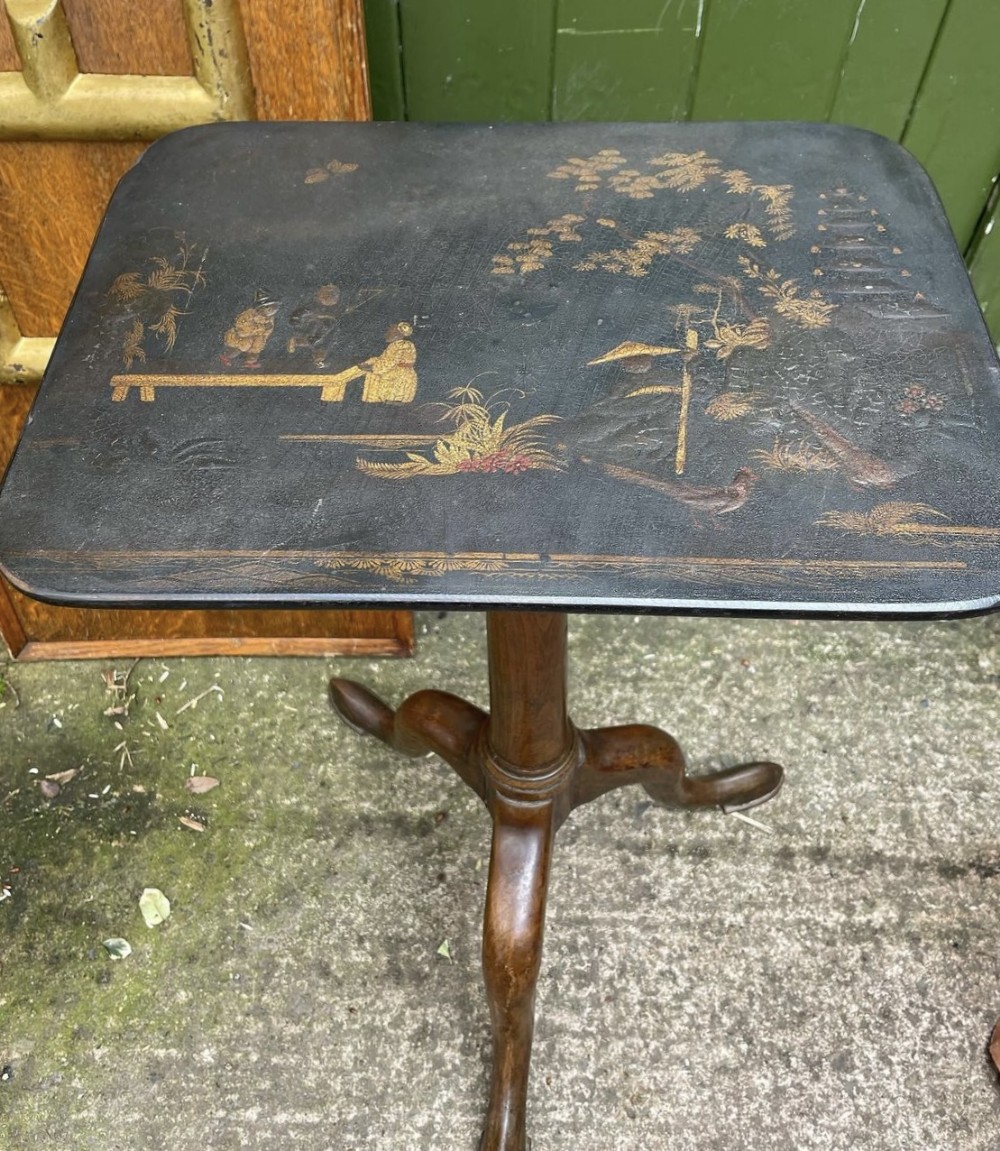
(823, 978)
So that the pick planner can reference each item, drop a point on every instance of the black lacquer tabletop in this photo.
(732, 367)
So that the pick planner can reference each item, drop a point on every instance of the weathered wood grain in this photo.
(90, 633)
(953, 128)
(984, 267)
(477, 61)
(616, 62)
(9, 61)
(108, 37)
(307, 61)
(772, 59)
(52, 196)
(889, 46)
(385, 60)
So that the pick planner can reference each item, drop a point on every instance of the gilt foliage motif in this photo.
(154, 298)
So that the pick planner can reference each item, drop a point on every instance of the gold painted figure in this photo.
(390, 377)
(314, 324)
(250, 331)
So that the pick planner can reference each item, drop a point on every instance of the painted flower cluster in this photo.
(917, 398)
(511, 463)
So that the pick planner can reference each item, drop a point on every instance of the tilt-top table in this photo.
(530, 369)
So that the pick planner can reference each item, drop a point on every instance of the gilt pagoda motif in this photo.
(862, 268)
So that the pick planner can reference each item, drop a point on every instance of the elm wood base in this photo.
(531, 767)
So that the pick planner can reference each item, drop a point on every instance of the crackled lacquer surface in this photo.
(727, 366)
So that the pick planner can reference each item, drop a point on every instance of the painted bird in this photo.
(861, 468)
(710, 501)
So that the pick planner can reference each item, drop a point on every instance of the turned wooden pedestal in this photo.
(525, 369)
(532, 767)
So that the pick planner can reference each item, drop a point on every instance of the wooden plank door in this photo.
(84, 85)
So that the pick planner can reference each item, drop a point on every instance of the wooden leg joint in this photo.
(511, 782)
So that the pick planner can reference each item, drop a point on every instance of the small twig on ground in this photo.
(195, 700)
(120, 708)
(747, 819)
(117, 681)
(6, 685)
(116, 685)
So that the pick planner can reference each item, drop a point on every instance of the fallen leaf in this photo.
(194, 824)
(154, 905)
(995, 1046)
(118, 948)
(64, 776)
(445, 949)
(199, 784)
(49, 788)
(316, 175)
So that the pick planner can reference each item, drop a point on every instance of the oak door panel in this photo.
(156, 43)
(53, 194)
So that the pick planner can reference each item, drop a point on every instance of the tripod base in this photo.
(532, 767)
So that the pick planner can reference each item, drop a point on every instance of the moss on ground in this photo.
(290, 827)
(75, 864)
